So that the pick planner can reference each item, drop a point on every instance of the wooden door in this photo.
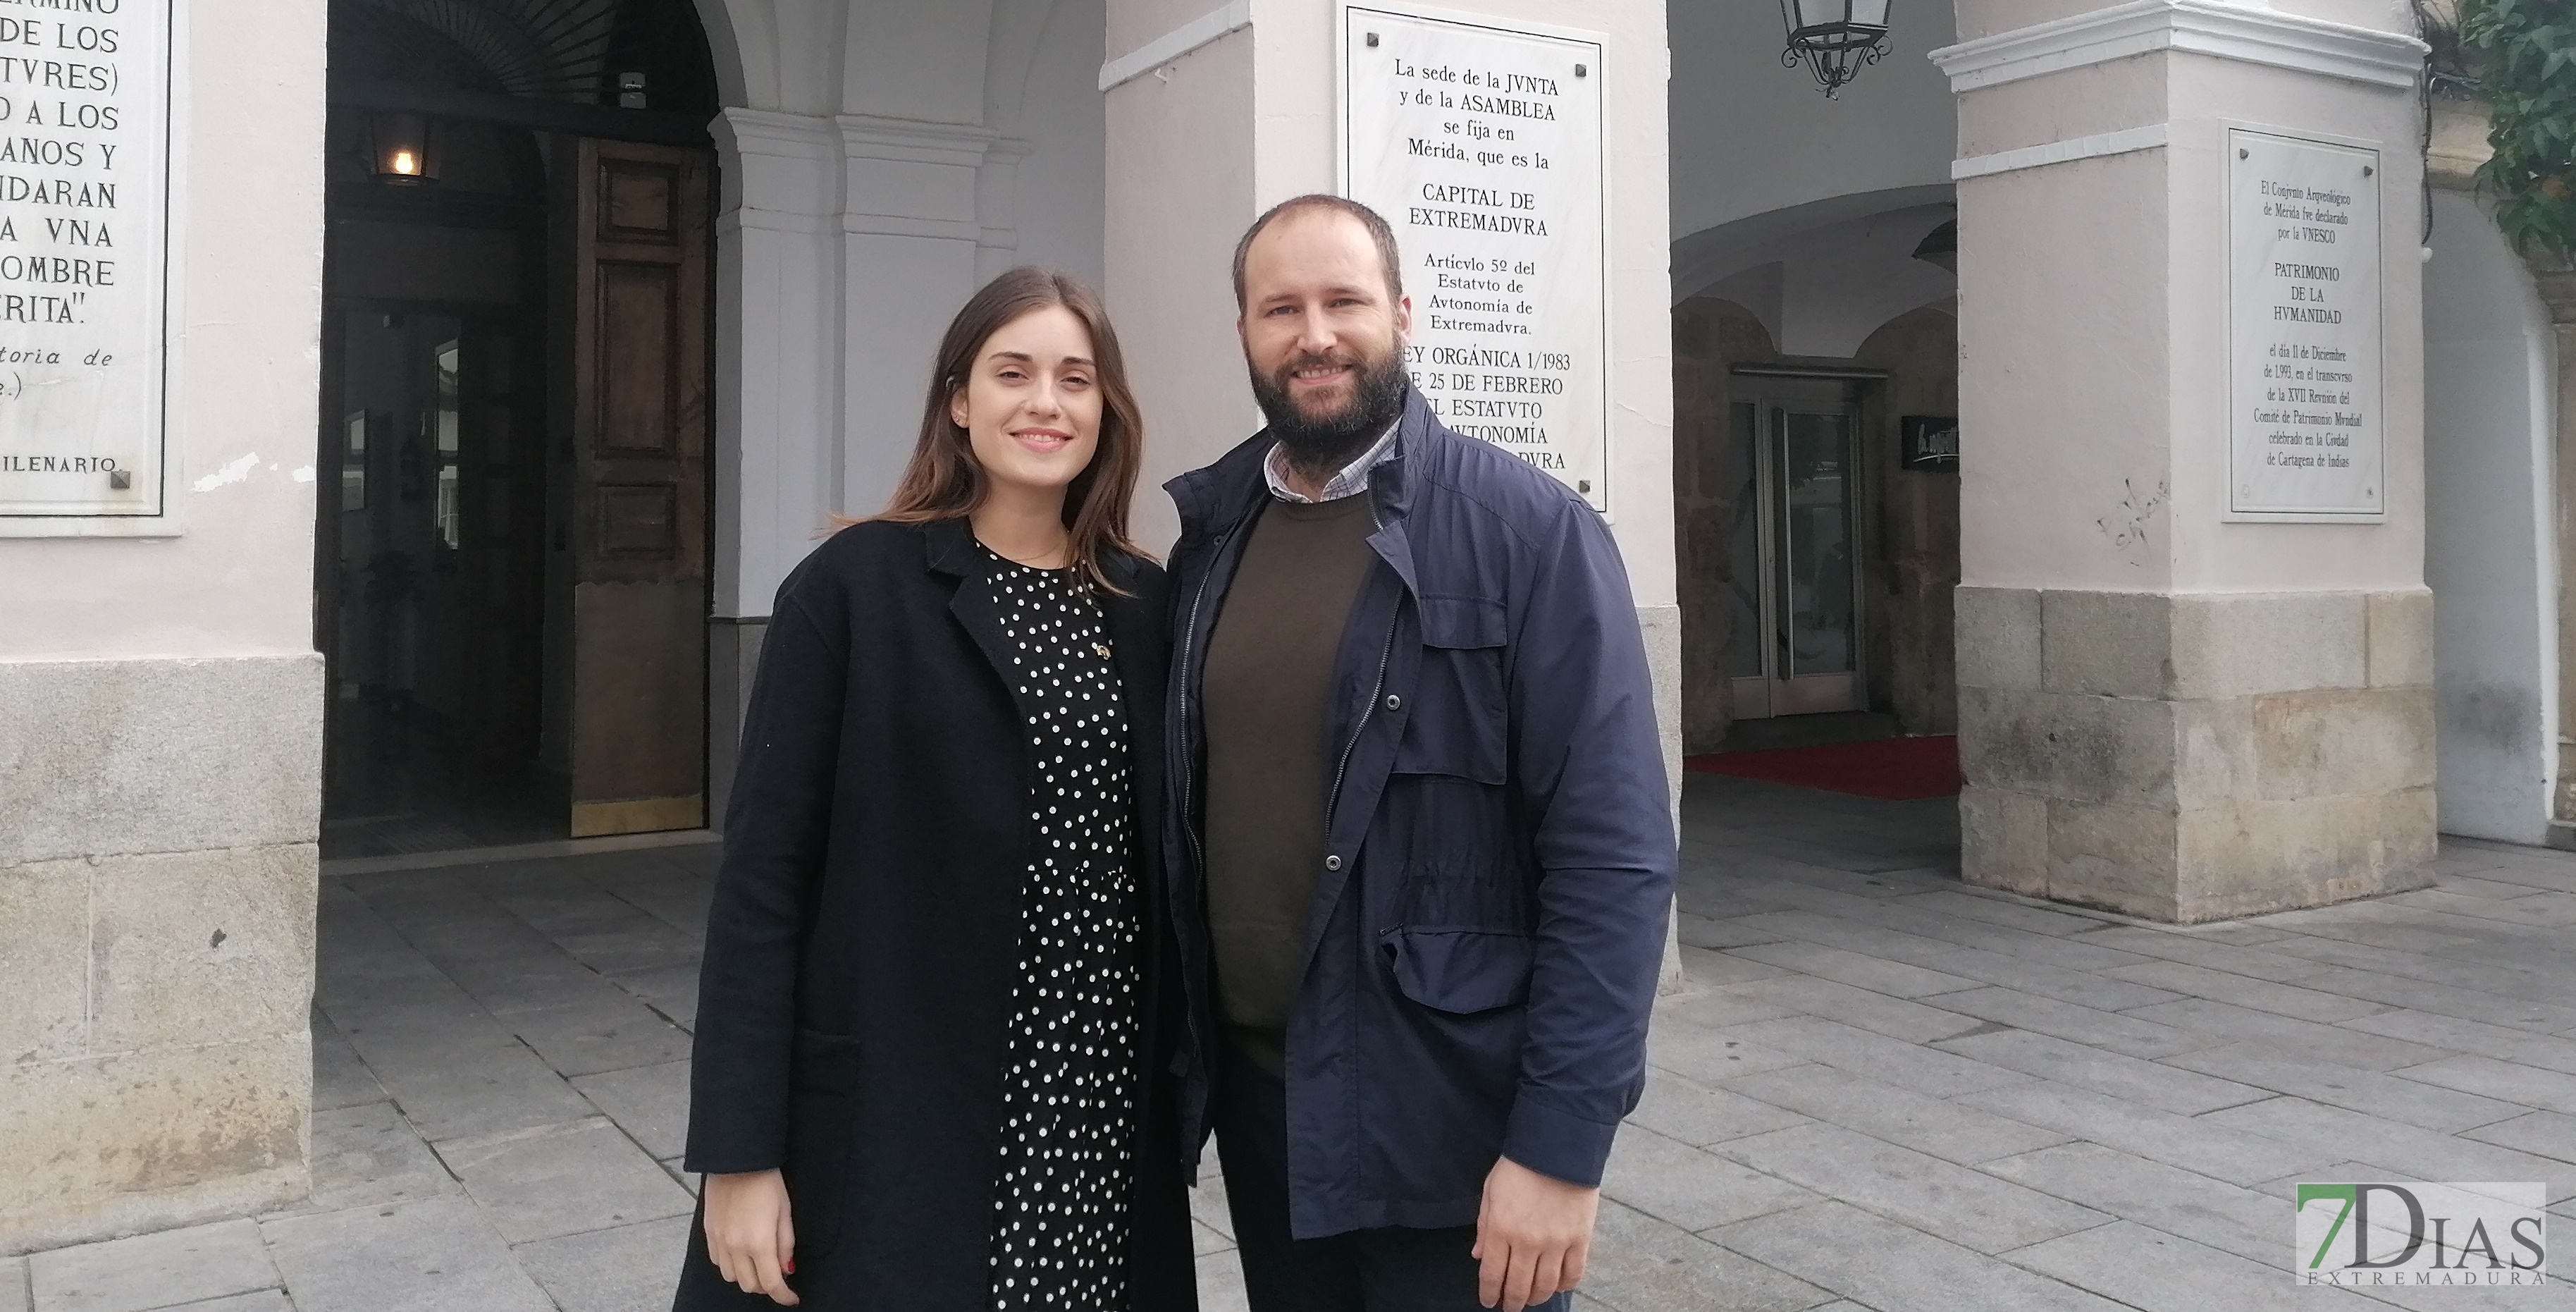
(638, 519)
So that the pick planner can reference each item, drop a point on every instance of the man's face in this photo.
(1324, 340)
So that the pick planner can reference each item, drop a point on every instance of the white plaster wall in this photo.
(880, 161)
(238, 580)
(1169, 251)
(1177, 201)
(2093, 313)
(2280, 557)
(2488, 364)
(1057, 194)
(1750, 137)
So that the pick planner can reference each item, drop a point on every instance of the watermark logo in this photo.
(2382, 1234)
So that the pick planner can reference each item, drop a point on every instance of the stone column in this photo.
(2165, 709)
(161, 712)
(846, 244)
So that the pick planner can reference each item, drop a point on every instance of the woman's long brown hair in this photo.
(944, 482)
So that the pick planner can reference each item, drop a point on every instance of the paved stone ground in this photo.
(1883, 1091)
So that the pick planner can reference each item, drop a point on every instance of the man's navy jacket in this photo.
(1488, 927)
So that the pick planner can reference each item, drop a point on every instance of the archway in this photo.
(512, 576)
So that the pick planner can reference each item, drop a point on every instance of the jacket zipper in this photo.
(1188, 762)
(1187, 767)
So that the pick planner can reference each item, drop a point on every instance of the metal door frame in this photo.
(1773, 396)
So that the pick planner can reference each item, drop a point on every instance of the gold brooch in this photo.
(1102, 648)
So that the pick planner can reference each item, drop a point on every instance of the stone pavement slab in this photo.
(1861, 1052)
(1705, 968)
(1893, 978)
(13, 1284)
(2547, 1133)
(2151, 1193)
(1884, 1265)
(2527, 1085)
(265, 1300)
(2252, 962)
(2343, 1045)
(1952, 1131)
(1710, 1055)
(153, 1271)
(2131, 1034)
(436, 1255)
(612, 1033)
(2125, 1078)
(650, 1103)
(1975, 1208)
(1699, 1115)
(340, 1078)
(1683, 1186)
(2410, 1152)
(1641, 1264)
(629, 1268)
(1860, 1008)
(2509, 1045)
(370, 1154)
(564, 1179)
(2158, 1272)
(2264, 1066)
(672, 990)
(2244, 990)
(2196, 1144)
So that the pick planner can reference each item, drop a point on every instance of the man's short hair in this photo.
(1378, 232)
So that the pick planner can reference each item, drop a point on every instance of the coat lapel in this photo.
(955, 554)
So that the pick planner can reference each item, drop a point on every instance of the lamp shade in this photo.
(1834, 38)
(402, 149)
(1833, 24)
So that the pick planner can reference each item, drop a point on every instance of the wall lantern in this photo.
(402, 149)
(1834, 37)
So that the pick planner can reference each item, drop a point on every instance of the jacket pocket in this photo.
(822, 1114)
(1460, 971)
(1456, 722)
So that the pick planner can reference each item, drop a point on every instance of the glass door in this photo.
(1795, 638)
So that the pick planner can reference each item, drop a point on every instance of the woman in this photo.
(925, 1070)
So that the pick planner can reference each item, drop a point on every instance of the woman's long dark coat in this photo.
(863, 944)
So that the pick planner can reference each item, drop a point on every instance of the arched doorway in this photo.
(512, 541)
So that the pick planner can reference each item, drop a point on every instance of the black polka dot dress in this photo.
(1069, 1106)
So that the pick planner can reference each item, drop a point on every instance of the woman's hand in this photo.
(749, 1234)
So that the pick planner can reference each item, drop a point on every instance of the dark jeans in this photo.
(1388, 1270)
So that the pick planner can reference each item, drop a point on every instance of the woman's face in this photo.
(1031, 403)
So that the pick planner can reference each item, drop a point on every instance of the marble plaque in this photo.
(85, 172)
(1481, 144)
(2305, 429)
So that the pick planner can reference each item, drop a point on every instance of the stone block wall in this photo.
(157, 881)
(2194, 757)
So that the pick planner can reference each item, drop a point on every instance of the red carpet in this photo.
(1892, 769)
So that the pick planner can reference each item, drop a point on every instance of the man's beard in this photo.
(1323, 444)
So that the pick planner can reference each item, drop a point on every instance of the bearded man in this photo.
(1422, 847)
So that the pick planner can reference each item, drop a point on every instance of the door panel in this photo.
(640, 431)
(1795, 643)
(639, 344)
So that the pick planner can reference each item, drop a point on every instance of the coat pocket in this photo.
(1455, 725)
(1458, 970)
(822, 1111)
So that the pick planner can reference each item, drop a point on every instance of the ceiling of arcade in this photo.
(1807, 210)
(936, 61)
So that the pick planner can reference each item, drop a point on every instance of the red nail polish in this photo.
(791, 1266)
